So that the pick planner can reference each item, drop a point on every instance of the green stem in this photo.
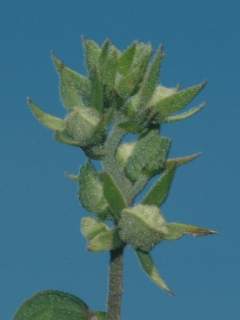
(111, 166)
(115, 284)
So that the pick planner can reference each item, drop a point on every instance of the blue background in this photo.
(40, 243)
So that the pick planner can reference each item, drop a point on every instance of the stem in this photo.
(115, 290)
(115, 284)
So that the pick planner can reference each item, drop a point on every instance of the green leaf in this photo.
(91, 193)
(53, 305)
(185, 115)
(126, 85)
(179, 161)
(75, 88)
(149, 267)
(126, 59)
(108, 64)
(91, 227)
(113, 195)
(96, 90)
(148, 156)
(178, 101)
(142, 55)
(142, 226)
(150, 79)
(92, 53)
(105, 241)
(49, 121)
(178, 230)
(159, 193)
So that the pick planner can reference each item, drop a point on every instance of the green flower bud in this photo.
(91, 191)
(160, 93)
(142, 226)
(124, 152)
(81, 125)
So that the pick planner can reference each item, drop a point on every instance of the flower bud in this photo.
(142, 226)
(81, 125)
(124, 152)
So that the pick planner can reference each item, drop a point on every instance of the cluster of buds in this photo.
(121, 95)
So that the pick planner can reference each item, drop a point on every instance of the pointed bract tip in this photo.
(170, 292)
(212, 232)
(204, 83)
(162, 50)
(107, 42)
(70, 176)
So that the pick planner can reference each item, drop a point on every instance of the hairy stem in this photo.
(115, 284)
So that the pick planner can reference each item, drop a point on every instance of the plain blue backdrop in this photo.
(40, 243)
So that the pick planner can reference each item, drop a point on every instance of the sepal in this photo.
(150, 79)
(159, 192)
(108, 64)
(74, 87)
(151, 271)
(175, 102)
(185, 115)
(92, 54)
(113, 195)
(49, 121)
(105, 241)
(179, 161)
(100, 237)
(176, 231)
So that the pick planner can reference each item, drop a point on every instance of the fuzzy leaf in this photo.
(75, 88)
(127, 84)
(148, 156)
(142, 55)
(91, 192)
(159, 193)
(105, 241)
(142, 226)
(92, 53)
(96, 90)
(53, 305)
(49, 121)
(178, 230)
(182, 160)
(149, 267)
(126, 59)
(108, 64)
(150, 79)
(113, 195)
(91, 227)
(178, 101)
(185, 115)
